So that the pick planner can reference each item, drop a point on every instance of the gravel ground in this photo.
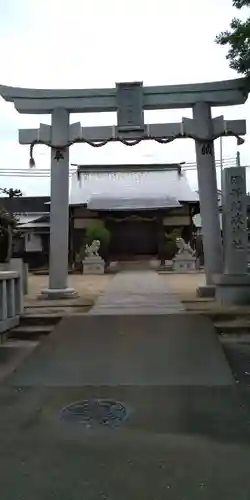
(184, 285)
(87, 286)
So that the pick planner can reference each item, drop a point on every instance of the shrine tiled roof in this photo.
(130, 187)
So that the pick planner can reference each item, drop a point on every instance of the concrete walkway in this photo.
(175, 350)
(186, 435)
(138, 292)
(186, 432)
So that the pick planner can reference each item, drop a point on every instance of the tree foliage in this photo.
(237, 39)
(7, 229)
(97, 231)
(8, 225)
(241, 3)
(11, 193)
(170, 243)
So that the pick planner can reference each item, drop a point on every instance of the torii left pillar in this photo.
(59, 208)
(59, 134)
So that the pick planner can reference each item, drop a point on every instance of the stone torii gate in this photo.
(129, 100)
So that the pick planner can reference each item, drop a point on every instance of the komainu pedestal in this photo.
(93, 265)
(184, 263)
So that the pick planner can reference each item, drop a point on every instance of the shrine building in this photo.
(137, 203)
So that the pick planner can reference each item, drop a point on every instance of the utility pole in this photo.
(221, 163)
(238, 159)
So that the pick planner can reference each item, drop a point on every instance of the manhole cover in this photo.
(95, 412)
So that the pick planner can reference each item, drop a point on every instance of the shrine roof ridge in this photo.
(127, 167)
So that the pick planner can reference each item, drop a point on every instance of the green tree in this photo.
(237, 39)
(11, 193)
(97, 231)
(8, 225)
(7, 228)
(170, 243)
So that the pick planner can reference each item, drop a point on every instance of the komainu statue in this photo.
(184, 247)
(93, 249)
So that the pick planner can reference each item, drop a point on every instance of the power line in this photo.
(45, 173)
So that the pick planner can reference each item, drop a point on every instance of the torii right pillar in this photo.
(209, 209)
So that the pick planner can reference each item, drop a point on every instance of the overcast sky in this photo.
(96, 43)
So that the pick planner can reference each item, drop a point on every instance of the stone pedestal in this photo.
(58, 293)
(93, 265)
(184, 263)
(206, 291)
(168, 265)
(233, 286)
(233, 289)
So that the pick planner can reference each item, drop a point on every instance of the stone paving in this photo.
(138, 292)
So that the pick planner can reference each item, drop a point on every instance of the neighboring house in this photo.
(138, 203)
(197, 218)
(32, 214)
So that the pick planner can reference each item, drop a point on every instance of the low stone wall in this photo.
(20, 267)
(11, 299)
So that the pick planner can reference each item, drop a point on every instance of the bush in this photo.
(97, 231)
(170, 243)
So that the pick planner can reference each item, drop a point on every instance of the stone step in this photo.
(235, 338)
(27, 332)
(233, 327)
(20, 344)
(40, 319)
(137, 265)
(218, 316)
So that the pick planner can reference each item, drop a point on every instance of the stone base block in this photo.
(169, 265)
(232, 289)
(206, 291)
(58, 293)
(93, 265)
(184, 264)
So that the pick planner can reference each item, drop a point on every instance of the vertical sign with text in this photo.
(235, 234)
(130, 114)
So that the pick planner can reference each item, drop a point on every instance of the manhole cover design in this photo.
(95, 412)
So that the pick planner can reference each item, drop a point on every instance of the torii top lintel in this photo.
(43, 101)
